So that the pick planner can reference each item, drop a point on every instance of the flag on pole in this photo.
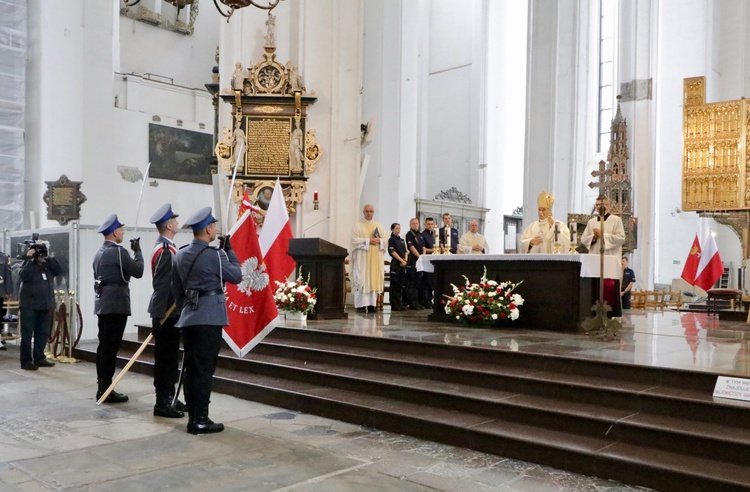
(274, 238)
(250, 304)
(710, 267)
(691, 264)
(245, 205)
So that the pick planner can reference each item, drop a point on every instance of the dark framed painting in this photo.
(179, 154)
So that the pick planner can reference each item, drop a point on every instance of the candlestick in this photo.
(316, 203)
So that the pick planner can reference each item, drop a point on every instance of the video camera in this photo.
(41, 248)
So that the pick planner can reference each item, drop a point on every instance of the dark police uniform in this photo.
(454, 239)
(628, 276)
(6, 286)
(428, 277)
(413, 277)
(166, 336)
(36, 299)
(398, 272)
(201, 270)
(113, 268)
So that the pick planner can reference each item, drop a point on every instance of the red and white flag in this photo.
(710, 267)
(691, 264)
(274, 238)
(250, 304)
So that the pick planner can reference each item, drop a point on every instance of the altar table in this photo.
(558, 290)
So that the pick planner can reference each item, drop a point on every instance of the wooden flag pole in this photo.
(134, 358)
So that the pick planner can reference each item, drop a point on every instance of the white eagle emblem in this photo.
(254, 277)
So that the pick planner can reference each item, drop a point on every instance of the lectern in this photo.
(324, 262)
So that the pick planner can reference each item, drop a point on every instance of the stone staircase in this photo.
(641, 425)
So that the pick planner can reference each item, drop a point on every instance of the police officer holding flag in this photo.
(166, 336)
(198, 278)
(113, 269)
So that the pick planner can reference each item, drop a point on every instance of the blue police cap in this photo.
(163, 214)
(109, 225)
(200, 219)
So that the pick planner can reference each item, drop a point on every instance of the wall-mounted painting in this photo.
(179, 154)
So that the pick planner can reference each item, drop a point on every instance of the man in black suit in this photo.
(113, 269)
(449, 240)
(166, 336)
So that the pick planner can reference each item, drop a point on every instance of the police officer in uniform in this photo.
(397, 251)
(415, 245)
(166, 336)
(198, 278)
(428, 277)
(6, 287)
(113, 268)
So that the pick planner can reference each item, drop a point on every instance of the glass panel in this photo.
(607, 52)
(603, 142)
(605, 74)
(605, 100)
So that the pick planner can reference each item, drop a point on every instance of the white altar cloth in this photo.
(589, 263)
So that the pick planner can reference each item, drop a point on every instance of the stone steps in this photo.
(642, 425)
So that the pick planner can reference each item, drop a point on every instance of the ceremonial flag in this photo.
(274, 238)
(250, 304)
(710, 267)
(691, 264)
(245, 205)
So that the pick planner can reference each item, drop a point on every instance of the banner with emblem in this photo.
(250, 305)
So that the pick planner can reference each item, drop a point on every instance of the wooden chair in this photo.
(638, 299)
(654, 300)
(673, 299)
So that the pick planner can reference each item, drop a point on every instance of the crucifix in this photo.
(602, 173)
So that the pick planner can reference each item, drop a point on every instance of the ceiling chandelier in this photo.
(232, 4)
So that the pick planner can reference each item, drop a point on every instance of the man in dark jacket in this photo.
(35, 300)
(166, 336)
(6, 287)
(198, 278)
(397, 251)
(113, 268)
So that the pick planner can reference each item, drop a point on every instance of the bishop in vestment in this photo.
(366, 260)
(540, 236)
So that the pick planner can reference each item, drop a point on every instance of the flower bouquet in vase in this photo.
(296, 298)
(484, 301)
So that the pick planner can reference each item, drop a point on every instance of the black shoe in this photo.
(396, 308)
(45, 363)
(2, 346)
(190, 425)
(371, 309)
(204, 425)
(180, 406)
(414, 307)
(164, 409)
(29, 366)
(361, 309)
(114, 397)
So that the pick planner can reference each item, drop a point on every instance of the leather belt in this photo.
(214, 292)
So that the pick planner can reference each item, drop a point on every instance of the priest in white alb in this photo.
(542, 235)
(473, 243)
(613, 234)
(366, 261)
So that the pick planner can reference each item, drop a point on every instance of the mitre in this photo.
(545, 200)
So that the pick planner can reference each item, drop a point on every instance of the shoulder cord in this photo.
(119, 256)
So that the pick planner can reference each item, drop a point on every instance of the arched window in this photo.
(607, 53)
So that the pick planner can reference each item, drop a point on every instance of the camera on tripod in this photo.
(40, 248)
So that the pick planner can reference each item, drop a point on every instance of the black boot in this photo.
(163, 408)
(204, 425)
(113, 397)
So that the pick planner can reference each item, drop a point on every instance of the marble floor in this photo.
(680, 340)
(54, 437)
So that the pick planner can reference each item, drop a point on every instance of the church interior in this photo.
(418, 108)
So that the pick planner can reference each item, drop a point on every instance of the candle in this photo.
(315, 196)
(447, 237)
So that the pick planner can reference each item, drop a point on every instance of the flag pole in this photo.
(225, 225)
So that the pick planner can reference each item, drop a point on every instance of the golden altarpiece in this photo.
(715, 159)
(270, 137)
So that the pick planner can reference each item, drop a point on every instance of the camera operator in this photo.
(6, 287)
(36, 299)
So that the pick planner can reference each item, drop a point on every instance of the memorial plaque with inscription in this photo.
(63, 198)
(268, 141)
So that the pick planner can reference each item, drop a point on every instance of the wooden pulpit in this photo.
(324, 262)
